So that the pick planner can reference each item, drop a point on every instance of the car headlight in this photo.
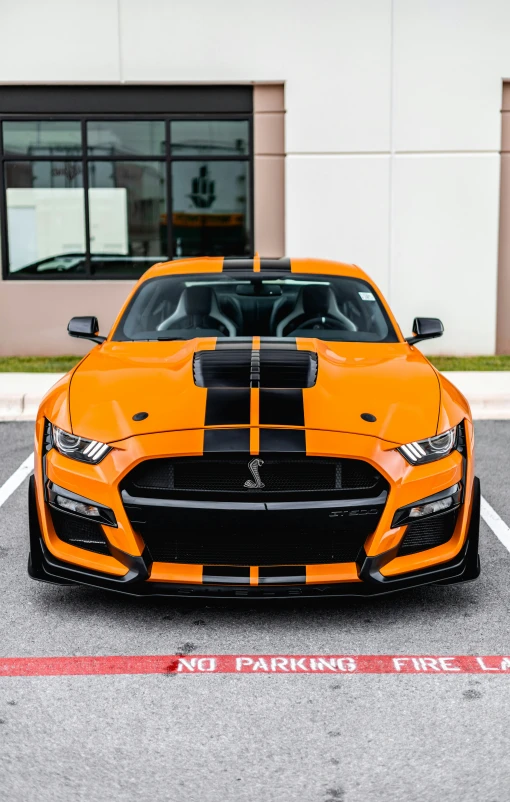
(79, 448)
(432, 448)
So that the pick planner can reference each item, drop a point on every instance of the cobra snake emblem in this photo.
(254, 466)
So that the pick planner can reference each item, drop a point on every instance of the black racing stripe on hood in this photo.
(227, 407)
(282, 408)
(227, 440)
(283, 440)
(278, 343)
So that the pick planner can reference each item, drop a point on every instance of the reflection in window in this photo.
(42, 138)
(129, 138)
(209, 138)
(127, 202)
(128, 164)
(45, 217)
(211, 208)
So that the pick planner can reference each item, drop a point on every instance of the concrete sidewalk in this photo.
(488, 392)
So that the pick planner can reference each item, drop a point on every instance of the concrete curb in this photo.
(21, 394)
(488, 393)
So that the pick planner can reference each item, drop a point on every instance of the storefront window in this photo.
(42, 138)
(127, 138)
(127, 203)
(45, 217)
(211, 208)
(210, 138)
(107, 198)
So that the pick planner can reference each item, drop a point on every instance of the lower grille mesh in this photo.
(427, 534)
(222, 548)
(80, 532)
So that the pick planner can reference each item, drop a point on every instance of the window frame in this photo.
(168, 158)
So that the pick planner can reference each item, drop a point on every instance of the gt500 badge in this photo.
(344, 513)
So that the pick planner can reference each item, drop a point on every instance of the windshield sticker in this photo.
(366, 296)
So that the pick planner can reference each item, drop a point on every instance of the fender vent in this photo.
(271, 368)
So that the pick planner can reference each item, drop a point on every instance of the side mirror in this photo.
(85, 327)
(425, 328)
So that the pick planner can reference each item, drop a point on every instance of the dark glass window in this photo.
(107, 198)
(127, 212)
(210, 208)
(126, 138)
(42, 138)
(210, 138)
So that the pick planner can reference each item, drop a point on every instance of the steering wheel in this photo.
(320, 322)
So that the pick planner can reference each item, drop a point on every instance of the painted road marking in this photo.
(494, 522)
(255, 664)
(17, 478)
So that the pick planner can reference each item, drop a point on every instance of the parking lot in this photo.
(227, 737)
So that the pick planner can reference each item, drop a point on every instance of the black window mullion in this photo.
(251, 187)
(3, 211)
(169, 193)
(85, 167)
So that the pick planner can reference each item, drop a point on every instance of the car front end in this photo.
(254, 467)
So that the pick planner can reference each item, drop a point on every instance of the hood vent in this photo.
(269, 368)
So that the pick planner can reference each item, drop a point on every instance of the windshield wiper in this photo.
(171, 338)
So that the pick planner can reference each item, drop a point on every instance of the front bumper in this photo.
(45, 567)
(126, 566)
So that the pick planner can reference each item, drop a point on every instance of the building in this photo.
(369, 132)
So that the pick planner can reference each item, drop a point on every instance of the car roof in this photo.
(215, 264)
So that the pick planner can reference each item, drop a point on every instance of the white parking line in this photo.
(14, 481)
(494, 522)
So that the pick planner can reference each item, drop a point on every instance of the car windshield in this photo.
(181, 307)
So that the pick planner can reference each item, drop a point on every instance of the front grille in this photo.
(79, 532)
(281, 475)
(245, 547)
(427, 534)
(266, 533)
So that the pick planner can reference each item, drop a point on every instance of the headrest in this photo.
(316, 299)
(198, 300)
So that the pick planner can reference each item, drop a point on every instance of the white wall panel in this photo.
(334, 56)
(450, 57)
(59, 40)
(337, 208)
(445, 248)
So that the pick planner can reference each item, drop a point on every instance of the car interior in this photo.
(327, 307)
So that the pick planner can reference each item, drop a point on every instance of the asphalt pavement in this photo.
(276, 738)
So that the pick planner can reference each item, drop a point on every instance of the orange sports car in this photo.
(254, 428)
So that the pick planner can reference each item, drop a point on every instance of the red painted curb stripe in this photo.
(254, 664)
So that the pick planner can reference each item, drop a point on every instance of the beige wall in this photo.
(269, 168)
(34, 314)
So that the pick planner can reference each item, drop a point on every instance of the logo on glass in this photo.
(253, 467)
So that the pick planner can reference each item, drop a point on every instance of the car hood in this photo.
(391, 382)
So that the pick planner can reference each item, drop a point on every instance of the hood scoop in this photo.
(269, 368)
